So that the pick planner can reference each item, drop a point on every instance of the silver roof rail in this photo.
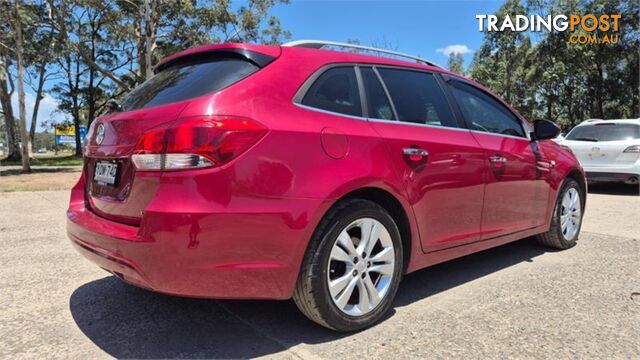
(318, 44)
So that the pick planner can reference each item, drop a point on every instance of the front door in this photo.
(441, 164)
(516, 192)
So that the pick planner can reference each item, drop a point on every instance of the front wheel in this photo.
(352, 268)
(567, 217)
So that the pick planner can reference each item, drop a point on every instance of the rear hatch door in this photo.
(603, 144)
(114, 189)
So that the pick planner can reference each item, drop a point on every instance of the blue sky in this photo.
(424, 28)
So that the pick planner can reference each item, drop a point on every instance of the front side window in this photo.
(485, 113)
(187, 81)
(417, 97)
(336, 90)
(605, 132)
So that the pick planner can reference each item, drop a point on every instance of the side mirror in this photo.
(545, 129)
(112, 106)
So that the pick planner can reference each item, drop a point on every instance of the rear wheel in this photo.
(352, 268)
(567, 217)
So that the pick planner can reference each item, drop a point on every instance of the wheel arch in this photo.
(394, 207)
(580, 178)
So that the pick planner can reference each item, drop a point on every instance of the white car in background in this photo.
(608, 150)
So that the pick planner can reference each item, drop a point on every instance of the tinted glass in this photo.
(336, 90)
(377, 101)
(186, 82)
(417, 97)
(605, 132)
(485, 113)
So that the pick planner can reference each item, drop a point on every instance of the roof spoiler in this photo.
(258, 59)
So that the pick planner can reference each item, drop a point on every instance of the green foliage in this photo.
(544, 76)
(455, 63)
(85, 52)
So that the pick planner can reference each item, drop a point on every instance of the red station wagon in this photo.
(271, 172)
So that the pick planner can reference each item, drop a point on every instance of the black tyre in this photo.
(567, 217)
(352, 268)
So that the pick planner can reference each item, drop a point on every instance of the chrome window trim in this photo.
(301, 92)
(419, 125)
(307, 107)
(526, 138)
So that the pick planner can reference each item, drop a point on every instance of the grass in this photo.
(61, 178)
(64, 159)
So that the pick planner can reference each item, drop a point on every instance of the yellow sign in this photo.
(65, 130)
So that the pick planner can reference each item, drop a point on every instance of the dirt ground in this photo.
(516, 301)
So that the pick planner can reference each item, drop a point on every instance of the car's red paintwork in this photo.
(240, 230)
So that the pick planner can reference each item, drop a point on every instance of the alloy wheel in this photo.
(570, 214)
(361, 267)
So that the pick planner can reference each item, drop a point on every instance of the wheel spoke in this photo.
(566, 201)
(385, 269)
(345, 240)
(338, 285)
(343, 298)
(370, 233)
(338, 254)
(386, 255)
(363, 301)
(374, 297)
(572, 194)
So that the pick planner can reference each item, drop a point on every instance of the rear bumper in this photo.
(602, 176)
(250, 251)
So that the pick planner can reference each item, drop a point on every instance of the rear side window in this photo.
(417, 97)
(605, 132)
(377, 100)
(336, 90)
(485, 113)
(187, 81)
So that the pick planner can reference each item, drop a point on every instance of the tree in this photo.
(456, 63)
(562, 81)
(26, 166)
(500, 62)
(7, 54)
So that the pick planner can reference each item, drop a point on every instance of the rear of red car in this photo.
(163, 201)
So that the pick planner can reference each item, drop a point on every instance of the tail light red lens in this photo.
(196, 143)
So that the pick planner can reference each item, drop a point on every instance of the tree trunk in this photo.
(9, 119)
(36, 105)
(91, 101)
(26, 167)
(76, 108)
(148, 35)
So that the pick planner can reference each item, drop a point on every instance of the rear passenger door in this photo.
(440, 163)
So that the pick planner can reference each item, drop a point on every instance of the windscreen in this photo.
(187, 81)
(605, 132)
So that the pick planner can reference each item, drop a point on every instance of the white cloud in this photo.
(453, 49)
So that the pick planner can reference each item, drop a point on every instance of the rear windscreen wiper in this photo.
(586, 139)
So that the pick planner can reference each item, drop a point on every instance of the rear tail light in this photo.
(632, 149)
(196, 143)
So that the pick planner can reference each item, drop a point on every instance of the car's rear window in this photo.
(187, 81)
(605, 132)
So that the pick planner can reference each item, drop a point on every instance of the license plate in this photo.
(106, 172)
